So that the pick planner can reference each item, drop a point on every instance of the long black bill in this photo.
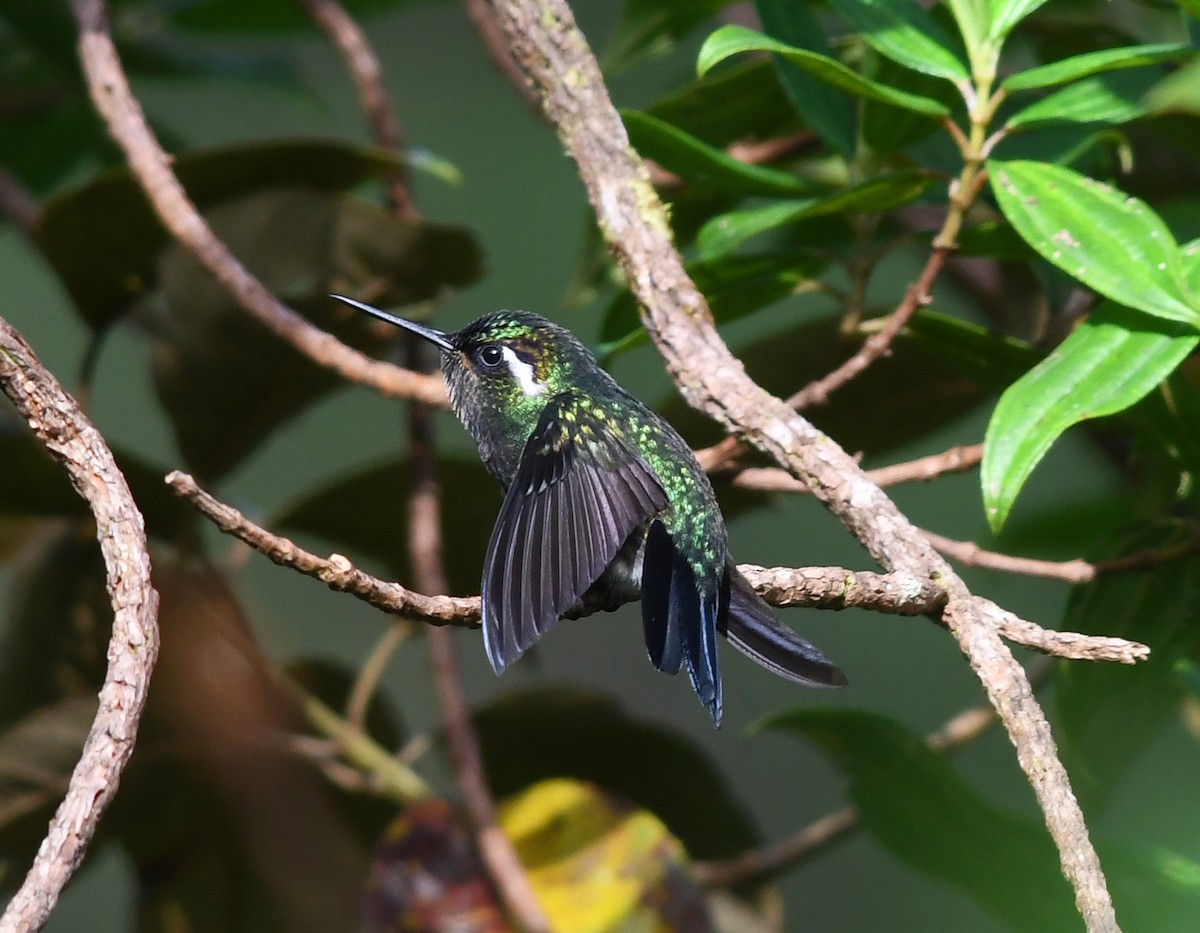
(436, 337)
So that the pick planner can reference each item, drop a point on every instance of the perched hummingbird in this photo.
(604, 503)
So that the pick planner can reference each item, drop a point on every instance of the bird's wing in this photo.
(751, 627)
(580, 490)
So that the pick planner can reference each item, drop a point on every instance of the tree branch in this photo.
(133, 648)
(334, 571)
(897, 593)
(556, 57)
(150, 166)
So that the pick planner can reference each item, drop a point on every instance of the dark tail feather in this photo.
(751, 627)
(679, 621)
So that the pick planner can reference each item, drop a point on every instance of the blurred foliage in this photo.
(805, 155)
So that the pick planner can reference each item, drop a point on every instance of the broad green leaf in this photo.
(649, 27)
(726, 232)
(744, 101)
(1098, 99)
(532, 735)
(1113, 243)
(1157, 605)
(105, 273)
(1007, 13)
(916, 804)
(913, 801)
(1080, 66)
(905, 33)
(733, 40)
(698, 163)
(991, 359)
(828, 111)
(1110, 362)
(363, 512)
(598, 863)
(974, 18)
(734, 286)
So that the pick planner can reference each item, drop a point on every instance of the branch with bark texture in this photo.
(133, 647)
(151, 169)
(895, 593)
(560, 65)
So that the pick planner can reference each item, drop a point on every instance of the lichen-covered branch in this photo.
(556, 58)
(133, 647)
(151, 167)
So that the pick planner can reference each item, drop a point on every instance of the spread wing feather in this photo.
(570, 507)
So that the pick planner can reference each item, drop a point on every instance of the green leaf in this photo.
(733, 40)
(650, 27)
(991, 359)
(703, 165)
(1080, 66)
(1110, 362)
(1157, 605)
(726, 232)
(362, 512)
(744, 101)
(105, 273)
(550, 732)
(906, 34)
(1113, 243)
(1099, 99)
(825, 109)
(1007, 13)
(974, 24)
(734, 286)
(918, 807)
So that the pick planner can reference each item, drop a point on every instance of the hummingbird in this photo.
(604, 503)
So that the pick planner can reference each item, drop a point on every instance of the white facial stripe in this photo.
(522, 371)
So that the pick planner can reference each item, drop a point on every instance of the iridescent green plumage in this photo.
(605, 503)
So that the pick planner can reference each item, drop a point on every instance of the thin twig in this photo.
(367, 681)
(150, 166)
(363, 64)
(335, 571)
(133, 648)
(899, 592)
(18, 203)
(387, 775)
(971, 554)
(924, 469)
(556, 57)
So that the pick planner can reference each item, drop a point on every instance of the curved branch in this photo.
(150, 166)
(133, 647)
(558, 61)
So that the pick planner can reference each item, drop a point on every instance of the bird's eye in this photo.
(491, 355)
